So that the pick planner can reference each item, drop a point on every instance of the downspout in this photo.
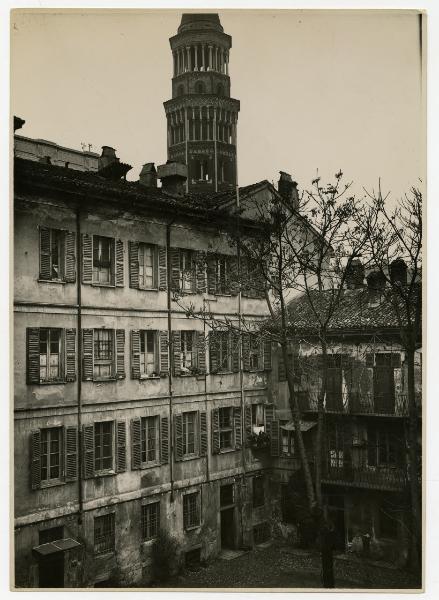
(79, 362)
(170, 346)
(205, 394)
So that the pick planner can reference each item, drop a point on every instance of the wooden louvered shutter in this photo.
(119, 263)
(237, 425)
(248, 418)
(70, 256)
(88, 446)
(133, 257)
(164, 440)
(45, 258)
(121, 447)
(274, 437)
(136, 443)
(120, 353)
(281, 370)
(70, 341)
(213, 352)
(203, 433)
(135, 354)
(164, 353)
(215, 431)
(33, 354)
(71, 453)
(246, 352)
(175, 269)
(87, 258)
(87, 354)
(178, 428)
(269, 416)
(200, 261)
(234, 336)
(233, 275)
(35, 459)
(211, 274)
(201, 351)
(267, 355)
(163, 275)
(176, 352)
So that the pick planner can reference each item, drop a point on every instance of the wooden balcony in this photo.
(379, 477)
(355, 404)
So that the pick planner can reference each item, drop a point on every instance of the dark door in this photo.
(384, 384)
(51, 571)
(336, 513)
(227, 528)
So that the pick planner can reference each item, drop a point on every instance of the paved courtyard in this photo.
(278, 565)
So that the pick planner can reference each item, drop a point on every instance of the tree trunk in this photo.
(320, 421)
(414, 475)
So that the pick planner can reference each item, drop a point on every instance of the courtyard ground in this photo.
(278, 565)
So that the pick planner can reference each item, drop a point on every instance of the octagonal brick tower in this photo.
(201, 116)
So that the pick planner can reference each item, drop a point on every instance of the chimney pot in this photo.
(376, 283)
(148, 176)
(173, 176)
(355, 275)
(398, 272)
(287, 188)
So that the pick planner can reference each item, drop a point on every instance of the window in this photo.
(222, 275)
(52, 254)
(226, 427)
(149, 439)
(187, 271)
(336, 448)
(51, 454)
(199, 87)
(147, 266)
(50, 355)
(226, 495)
(187, 354)
(255, 353)
(149, 356)
(220, 351)
(103, 248)
(287, 441)
(189, 433)
(103, 446)
(191, 510)
(382, 448)
(150, 520)
(103, 353)
(258, 418)
(104, 534)
(258, 491)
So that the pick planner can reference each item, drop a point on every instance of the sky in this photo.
(319, 90)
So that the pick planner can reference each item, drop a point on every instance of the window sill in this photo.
(103, 379)
(146, 377)
(107, 473)
(50, 484)
(104, 554)
(54, 382)
(149, 465)
(57, 281)
(227, 450)
(145, 289)
(190, 457)
(104, 285)
(192, 527)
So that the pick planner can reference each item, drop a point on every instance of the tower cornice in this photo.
(192, 100)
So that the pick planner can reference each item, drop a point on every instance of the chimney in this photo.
(18, 123)
(148, 176)
(376, 283)
(354, 275)
(109, 165)
(398, 272)
(173, 176)
(287, 188)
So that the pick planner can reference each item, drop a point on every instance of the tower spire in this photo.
(201, 116)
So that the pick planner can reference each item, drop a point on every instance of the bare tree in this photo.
(393, 248)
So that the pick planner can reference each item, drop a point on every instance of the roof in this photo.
(355, 311)
(200, 20)
(214, 204)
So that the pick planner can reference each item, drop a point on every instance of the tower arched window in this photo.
(220, 90)
(180, 90)
(200, 88)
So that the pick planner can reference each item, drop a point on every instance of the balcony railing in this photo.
(379, 477)
(356, 404)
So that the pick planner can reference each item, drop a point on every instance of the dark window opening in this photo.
(226, 495)
(258, 491)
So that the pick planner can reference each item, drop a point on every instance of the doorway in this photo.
(51, 567)
(228, 528)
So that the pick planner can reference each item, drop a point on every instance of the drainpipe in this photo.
(171, 347)
(78, 361)
(205, 396)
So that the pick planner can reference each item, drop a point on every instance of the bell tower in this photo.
(201, 116)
